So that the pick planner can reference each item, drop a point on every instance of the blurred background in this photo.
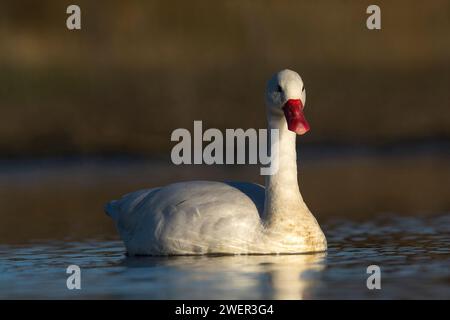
(86, 116)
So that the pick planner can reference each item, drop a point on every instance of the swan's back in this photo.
(190, 218)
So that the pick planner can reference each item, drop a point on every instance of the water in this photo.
(413, 254)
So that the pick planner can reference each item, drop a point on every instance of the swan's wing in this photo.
(188, 217)
(255, 192)
(204, 216)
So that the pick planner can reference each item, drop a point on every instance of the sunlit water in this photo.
(413, 254)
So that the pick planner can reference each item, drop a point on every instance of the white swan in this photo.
(201, 217)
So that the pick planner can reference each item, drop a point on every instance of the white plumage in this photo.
(201, 217)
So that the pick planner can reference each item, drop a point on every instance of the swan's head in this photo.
(286, 96)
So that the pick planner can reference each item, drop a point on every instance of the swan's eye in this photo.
(303, 89)
(279, 89)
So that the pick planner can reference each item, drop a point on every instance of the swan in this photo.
(206, 217)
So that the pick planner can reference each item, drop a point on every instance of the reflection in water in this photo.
(293, 275)
(286, 276)
(413, 254)
(292, 278)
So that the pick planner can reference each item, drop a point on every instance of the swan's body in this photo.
(201, 217)
(191, 217)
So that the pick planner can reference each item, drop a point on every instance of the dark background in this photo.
(87, 115)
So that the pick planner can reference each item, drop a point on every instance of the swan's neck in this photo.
(284, 206)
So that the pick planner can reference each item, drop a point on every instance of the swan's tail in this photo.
(111, 209)
(126, 205)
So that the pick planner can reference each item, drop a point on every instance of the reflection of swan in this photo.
(233, 277)
(212, 217)
(293, 276)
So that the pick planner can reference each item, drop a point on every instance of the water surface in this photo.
(413, 254)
